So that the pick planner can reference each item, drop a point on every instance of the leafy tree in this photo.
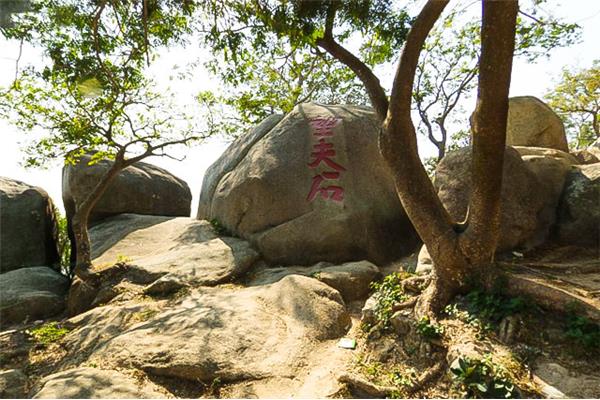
(91, 96)
(450, 60)
(576, 99)
(460, 251)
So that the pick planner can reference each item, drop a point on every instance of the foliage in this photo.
(450, 61)
(48, 333)
(388, 293)
(482, 378)
(583, 331)
(63, 244)
(219, 228)
(428, 329)
(493, 307)
(575, 99)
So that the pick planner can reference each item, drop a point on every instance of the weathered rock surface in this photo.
(13, 384)
(93, 383)
(559, 382)
(260, 190)
(351, 279)
(141, 189)
(230, 334)
(28, 226)
(584, 156)
(424, 261)
(523, 195)
(181, 247)
(532, 123)
(579, 209)
(31, 293)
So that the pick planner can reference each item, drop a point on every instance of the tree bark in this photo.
(79, 223)
(460, 251)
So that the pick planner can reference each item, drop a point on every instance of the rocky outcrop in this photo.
(30, 294)
(230, 334)
(532, 123)
(28, 226)
(141, 189)
(524, 197)
(579, 209)
(13, 384)
(94, 383)
(310, 187)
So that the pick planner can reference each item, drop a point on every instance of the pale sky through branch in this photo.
(527, 79)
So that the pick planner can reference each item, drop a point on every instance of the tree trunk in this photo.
(79, 223)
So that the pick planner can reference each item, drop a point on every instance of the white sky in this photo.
(527, 79)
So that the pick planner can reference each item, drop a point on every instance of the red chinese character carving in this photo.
(323, 152)
(335, 193)
(323, 126)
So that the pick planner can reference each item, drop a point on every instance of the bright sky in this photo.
(527, 79)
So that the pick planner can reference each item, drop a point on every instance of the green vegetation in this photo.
(583, 331)
(428, 329)
(48, 333)
(145, 315)
(219, 228)
(388, 293)
(63, 244)
(123, 259)
(493, 307)
(482, 378)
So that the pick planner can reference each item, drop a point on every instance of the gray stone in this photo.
(559, 382)
(579, 209)
(93, 383)
(424, 262)
(140, 189)
(31, 293)
(27, 226)
(13, 384)
(532, 123)
(259, 190)
(523, 195)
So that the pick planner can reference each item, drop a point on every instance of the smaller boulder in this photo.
(13, 384)
(30, 294)
(27, 236)
(531, 122)
(424, 262)
(352, 280)
(579, 208)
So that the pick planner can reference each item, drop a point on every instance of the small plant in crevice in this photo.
(482, 379)
(428, 329)
(583, 331)
(219, 228)
(388, 293)
(123, 259)
(48, 333)
(493, 307)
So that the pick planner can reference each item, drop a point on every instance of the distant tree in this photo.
(450, 61)
(91, 95)
(576, 98)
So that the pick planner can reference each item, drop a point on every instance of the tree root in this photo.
(427, 377)
(415, 284)
(364, 388)
(404, 305)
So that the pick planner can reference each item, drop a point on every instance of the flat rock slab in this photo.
(558, 382)
(559, 278)
(230, 334)
(31, 293)
(186, 250)
(93, 383)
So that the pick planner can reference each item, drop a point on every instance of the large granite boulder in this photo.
(141, 189)
(310, 187)
(31, 293)
(532, 123)
(579, 209)
(527, 196)
(27, 226)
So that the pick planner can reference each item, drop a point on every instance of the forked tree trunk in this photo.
(461, 253)
(80, 220)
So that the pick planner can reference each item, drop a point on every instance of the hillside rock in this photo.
(31, 293)
(523, 195)
(229, 334)
(311, 187)
(28, 224)
(532, 123)
(13, 384)
(140, 189)
(93, 383)
(579, 209)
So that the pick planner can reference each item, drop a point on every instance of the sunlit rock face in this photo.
(309, 187)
